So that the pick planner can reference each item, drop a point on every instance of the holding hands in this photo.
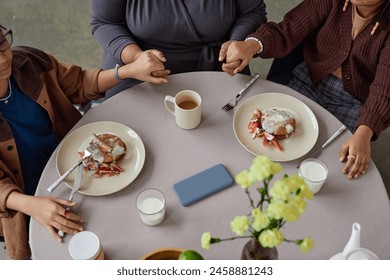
(237, 55)
(148, 66)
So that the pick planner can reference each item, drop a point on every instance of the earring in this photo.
(345, 5)
(376, 26)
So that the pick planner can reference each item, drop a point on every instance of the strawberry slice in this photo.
(277, 145)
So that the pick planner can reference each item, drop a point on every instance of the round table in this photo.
(173, 154)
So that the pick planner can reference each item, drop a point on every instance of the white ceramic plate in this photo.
(300, 143)
(78, 140)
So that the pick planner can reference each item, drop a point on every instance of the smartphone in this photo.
(203, 184)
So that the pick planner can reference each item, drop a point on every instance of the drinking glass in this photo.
(315, 172)
(151, 206)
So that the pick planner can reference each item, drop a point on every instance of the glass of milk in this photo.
(151, 206)
(315, 172)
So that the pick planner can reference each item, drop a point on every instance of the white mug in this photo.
(186, 107)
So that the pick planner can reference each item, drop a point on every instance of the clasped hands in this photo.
(147, 66)
(236, 55)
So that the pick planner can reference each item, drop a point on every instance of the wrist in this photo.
(130, 53)
(116, 72)
(17, 201)
(256, 43)
(364, 131)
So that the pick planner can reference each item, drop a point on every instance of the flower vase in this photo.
(254, 251)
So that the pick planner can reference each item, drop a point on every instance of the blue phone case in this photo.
(203, 184)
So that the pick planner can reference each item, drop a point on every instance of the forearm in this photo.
(108, 21)
(107, 79)
(19, 202)
(279, 39)
(130, 53)
(375, 112)
(364, 132)
(251, 14)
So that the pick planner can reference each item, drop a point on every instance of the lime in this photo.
(190, 255)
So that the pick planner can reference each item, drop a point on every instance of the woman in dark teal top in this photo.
(189, 33)
(35, 140)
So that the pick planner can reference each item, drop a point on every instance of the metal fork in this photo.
(233, 102)
(87, 152)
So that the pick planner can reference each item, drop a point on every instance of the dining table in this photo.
(170, 154)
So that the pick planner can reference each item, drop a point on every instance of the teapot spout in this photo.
(354, 240)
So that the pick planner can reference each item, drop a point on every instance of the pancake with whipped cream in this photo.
(279, 123)
(112, 148)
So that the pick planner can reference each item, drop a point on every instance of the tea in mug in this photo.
(188, 105)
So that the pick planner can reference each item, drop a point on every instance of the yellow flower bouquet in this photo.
(284, 201)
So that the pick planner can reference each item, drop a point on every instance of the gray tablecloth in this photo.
(173, 154)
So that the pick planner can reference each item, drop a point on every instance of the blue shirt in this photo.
(33, 133)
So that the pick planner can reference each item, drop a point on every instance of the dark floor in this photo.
(62, 29)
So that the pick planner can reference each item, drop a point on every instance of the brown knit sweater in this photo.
(326, 32)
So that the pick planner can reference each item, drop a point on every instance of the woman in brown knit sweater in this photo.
(346, 65)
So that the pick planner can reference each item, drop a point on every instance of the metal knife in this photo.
(76, 187)
(318, 151)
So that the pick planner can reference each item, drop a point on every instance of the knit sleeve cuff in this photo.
(6, 188)
(372, 121)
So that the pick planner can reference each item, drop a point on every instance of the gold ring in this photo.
(351, 157)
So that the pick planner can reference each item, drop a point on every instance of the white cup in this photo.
(151, 206)
(315, 172)
(85, 245)
(186, 107)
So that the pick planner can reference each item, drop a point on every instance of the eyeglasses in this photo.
(6, 41)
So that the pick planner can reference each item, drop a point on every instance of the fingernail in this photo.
(59, 240)
(341, 158)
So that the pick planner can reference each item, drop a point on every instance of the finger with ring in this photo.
(66, 212)
(351, 157)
